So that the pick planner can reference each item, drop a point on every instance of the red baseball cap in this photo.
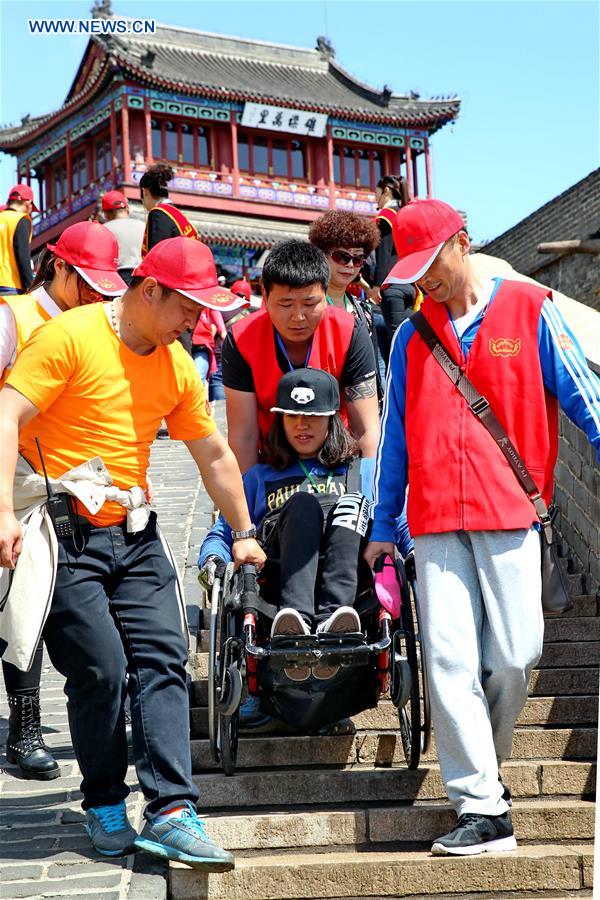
(242, 287)
(114, 200)
(187, 266)
(421, 229)
(94, 252)
(21, 192)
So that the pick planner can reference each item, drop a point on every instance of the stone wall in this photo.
(577, 496)
(577, 275)
(573, 215)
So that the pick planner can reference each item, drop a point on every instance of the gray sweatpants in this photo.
(482, 629)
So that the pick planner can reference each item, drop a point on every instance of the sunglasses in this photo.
(343, 258)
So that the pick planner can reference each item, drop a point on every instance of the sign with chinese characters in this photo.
(279, 118)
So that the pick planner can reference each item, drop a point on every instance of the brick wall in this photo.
(573, 215)
(577, 497)
(576, 275)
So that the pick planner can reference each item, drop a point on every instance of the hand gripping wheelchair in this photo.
(386, 656)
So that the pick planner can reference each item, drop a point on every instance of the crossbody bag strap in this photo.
(481, 408)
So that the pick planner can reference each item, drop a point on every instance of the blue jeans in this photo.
(216, 391)
(201, 357)
(114, 611)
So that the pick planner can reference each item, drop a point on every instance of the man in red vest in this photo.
(477, 548)
(296, 328)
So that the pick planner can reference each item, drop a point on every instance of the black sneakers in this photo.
(474, 833)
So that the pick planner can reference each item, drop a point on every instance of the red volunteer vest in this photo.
(458, 476)
(389, 214)
(183, 224)
(255, 340)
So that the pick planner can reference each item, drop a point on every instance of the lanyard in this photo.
(347, 303)
(285, 353)
(314, 483)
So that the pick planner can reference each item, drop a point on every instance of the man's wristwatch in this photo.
(242, 535)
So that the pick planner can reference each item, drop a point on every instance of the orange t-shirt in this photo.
(99, 398)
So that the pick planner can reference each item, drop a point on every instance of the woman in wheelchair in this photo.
(309, 500)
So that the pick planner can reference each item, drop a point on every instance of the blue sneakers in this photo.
(110, 831)
(182, 838)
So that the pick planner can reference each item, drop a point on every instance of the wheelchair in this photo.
(385, 658)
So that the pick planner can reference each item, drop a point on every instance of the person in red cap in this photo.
(243, 288)
(128, 232)
(16, 273)
(57, 287)
(93, 387)
(475, 528)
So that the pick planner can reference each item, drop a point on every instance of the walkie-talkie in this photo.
(58, 505)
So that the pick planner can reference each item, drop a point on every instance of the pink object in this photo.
(387, 586)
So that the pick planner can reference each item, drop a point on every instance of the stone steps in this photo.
(557, 711)
(281, 788)
(383, 748)
(376, 873)
(413, 823)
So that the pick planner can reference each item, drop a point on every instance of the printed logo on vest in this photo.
(505, 346)
(565, 342)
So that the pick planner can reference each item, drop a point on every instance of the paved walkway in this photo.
(45, 851)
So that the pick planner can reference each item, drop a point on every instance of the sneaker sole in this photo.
(207, 864)
(123, 851)
(500, 845)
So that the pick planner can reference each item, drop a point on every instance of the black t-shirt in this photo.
(358, 367)
(160, 227)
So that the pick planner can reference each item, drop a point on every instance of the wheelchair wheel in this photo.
(213, 667)
(409, 714)
(425, 702)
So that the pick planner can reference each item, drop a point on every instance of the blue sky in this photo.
(528, 75)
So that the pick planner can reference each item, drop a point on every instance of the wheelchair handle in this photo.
(249, 576)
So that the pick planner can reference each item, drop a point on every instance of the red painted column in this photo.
(125, 140)
(330, 170)
(415, 175)
(409, 168)
(28, 174)
(69, 173)
(234, 154)
(113, 143)
(428, 172)
(148, 123)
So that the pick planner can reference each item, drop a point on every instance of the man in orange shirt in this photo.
(95, 384)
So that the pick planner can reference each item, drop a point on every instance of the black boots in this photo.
(25, 744)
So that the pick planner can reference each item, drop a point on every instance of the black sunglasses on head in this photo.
(343, 258)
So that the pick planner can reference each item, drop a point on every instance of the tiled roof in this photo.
(230, 68)
(261, 71)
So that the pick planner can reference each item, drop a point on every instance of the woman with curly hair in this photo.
(164, 219)
(347, 240)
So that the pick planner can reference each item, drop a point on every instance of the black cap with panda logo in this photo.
(307, 392)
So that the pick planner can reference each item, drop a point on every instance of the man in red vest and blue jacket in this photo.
(296, 329)
(477, 549)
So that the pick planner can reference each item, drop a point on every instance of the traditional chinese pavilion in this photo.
(262, 137)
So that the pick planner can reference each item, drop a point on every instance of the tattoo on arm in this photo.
(361, 391)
